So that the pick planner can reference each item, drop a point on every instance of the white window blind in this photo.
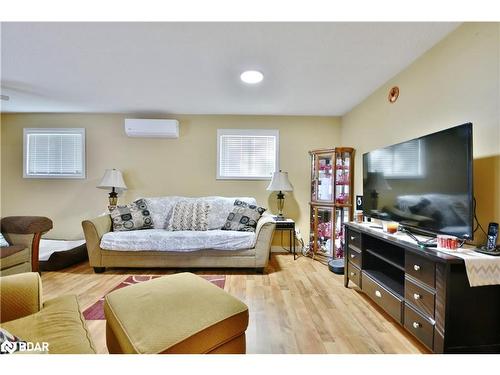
(249, 154)
(54, 153)
(404, 160)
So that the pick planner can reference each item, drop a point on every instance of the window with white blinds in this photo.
(54, 153)
(247, 154)
(404, 160)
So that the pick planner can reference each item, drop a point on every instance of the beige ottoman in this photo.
(180, 313)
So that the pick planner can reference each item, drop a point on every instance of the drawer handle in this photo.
(416, 296)
(353, 273)
(416, 267)
(378, 294)
(416, 325)
(353, 238)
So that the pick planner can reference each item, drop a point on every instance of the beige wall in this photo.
(457, 81)
(154, 167)
(454, 82)
(1, 214)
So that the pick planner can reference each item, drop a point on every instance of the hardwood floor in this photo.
(295, 307)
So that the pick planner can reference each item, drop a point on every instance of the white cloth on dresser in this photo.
(177, 241)
(482, 269)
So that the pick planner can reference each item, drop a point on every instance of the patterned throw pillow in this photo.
(189, 215)
(3, 241)
(8, 342)
(133, 216)
(244, 217)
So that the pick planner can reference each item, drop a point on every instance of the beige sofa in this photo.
(100, 258)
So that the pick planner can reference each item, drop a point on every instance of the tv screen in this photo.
(424, 183)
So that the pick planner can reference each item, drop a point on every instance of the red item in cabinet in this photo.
(325, 230)
(342, 198)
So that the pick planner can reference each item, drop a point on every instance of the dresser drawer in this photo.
(354, 238)
(354, 257)
(422, 298)
(421, 269)
(354, 274)
(419, 326)
(382, 297)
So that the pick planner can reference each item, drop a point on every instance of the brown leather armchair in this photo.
(24, 234)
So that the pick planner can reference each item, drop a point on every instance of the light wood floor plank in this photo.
(295, 307)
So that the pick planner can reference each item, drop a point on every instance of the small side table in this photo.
(287, 225)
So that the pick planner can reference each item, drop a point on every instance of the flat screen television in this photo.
(425, 184)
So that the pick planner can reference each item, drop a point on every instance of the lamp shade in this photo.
(112, 179)
(280, 182)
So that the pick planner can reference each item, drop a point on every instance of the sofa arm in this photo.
(26, 224)
(93, 230)
(264, 233)
(20, 295)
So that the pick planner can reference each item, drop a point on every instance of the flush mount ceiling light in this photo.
(252, 76)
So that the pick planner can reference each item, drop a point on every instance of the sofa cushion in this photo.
(16, 257)
(189, 215)
(177, 241)
(161, 209)
(220, 207)
(133, 216)
(9, 250)
(244, 217)
(60, 323)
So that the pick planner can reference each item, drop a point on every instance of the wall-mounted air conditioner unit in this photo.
(151, 128)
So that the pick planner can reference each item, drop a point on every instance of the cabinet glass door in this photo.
(322, 220)
(341, 217)
(342, 178)
(322, 177)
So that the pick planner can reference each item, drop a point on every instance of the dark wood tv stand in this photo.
(424, 290)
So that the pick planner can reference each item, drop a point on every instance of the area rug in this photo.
(96, 311)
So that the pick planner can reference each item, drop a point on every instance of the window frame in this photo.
(247, 132)
(29, 131)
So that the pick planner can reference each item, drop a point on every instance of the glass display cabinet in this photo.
(331, 200)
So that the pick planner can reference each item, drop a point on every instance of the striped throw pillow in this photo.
(189, 215)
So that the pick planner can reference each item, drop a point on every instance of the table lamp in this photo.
(280, 183)
(113, 180)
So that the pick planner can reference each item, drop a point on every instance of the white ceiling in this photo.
(194, 68)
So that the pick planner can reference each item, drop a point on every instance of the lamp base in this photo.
(279, 218)
(113, 200)
(281, 203)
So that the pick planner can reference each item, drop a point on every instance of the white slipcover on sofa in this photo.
(159, 247)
